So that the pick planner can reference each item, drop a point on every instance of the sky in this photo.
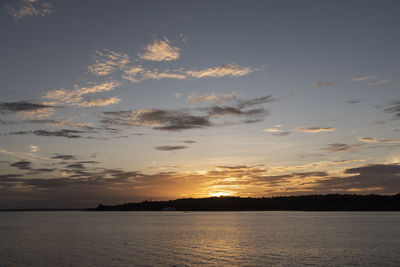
(123, 101)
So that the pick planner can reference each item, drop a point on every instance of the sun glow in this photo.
(220, 194)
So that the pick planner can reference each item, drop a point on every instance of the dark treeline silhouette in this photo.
(331, 202)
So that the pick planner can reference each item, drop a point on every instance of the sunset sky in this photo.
(120, 101)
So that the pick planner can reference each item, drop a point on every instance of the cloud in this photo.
(255, 101)
(107, 61)
(188, 142)
(384, 178)
(212, 98)
(340, 147)
(378, 82)
(376, 140)
(394, 108)
(75, 166)
(322, 84)
(273, 129)
(26, 109)
(138, 74)
(64, 157)
(29, 8)
(60, 133)
(99, 102)
(230, 70)
(75, 97)
(363, 78)
(354, 101)
(22, 165)
(21, 106)
(170, 148)
(33, 148)
(306, 129)
(183, 119)
(280, 134)
(160, 50)
(171, 120)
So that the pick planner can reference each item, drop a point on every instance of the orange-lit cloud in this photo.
(230, 70)
(306, 129)
(160, 50)
(29, 8)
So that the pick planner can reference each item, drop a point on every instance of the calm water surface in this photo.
(199, 238)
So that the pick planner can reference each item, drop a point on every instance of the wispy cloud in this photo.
(341, 147)
(75, 97)
(394, 108)
(230, 70)
(160, 50)
(212, 98)
(306, 129)
(170, 148)
(273, 129)
(363, 78)
(33, 148)
(354, 101)
(99, 102)
(29, 8)
(322, 84)
(376, 140)
(107, 61)
(156, 75)
(68, 133)
(378, 82)
(64, 157)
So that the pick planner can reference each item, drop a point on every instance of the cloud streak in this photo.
(75, 97)
(322, 84)
(230, 70)
(307, 129)
(160, 50)
(107, 61)
(170, 148)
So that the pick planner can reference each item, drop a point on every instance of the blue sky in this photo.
(110, 101)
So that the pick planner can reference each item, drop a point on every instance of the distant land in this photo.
(330, 202)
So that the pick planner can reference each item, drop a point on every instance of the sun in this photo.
(220, 194)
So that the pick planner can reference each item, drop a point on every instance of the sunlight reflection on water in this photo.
(192, 238)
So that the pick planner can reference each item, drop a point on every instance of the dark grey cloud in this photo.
(27, 166)
(255, 101)
(67, 133)
(354, 101)
(75, 166)
(64, 157)
(394, 109)
(169, 148)
(377, 177)
(280, 134)
(22, 165)
(188, 141)
(184, 119)
(340, 147)
(9, 107)
(171, 120)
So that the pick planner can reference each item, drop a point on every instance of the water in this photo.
(199, 238)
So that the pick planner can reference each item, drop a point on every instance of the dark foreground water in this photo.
(199, 238)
